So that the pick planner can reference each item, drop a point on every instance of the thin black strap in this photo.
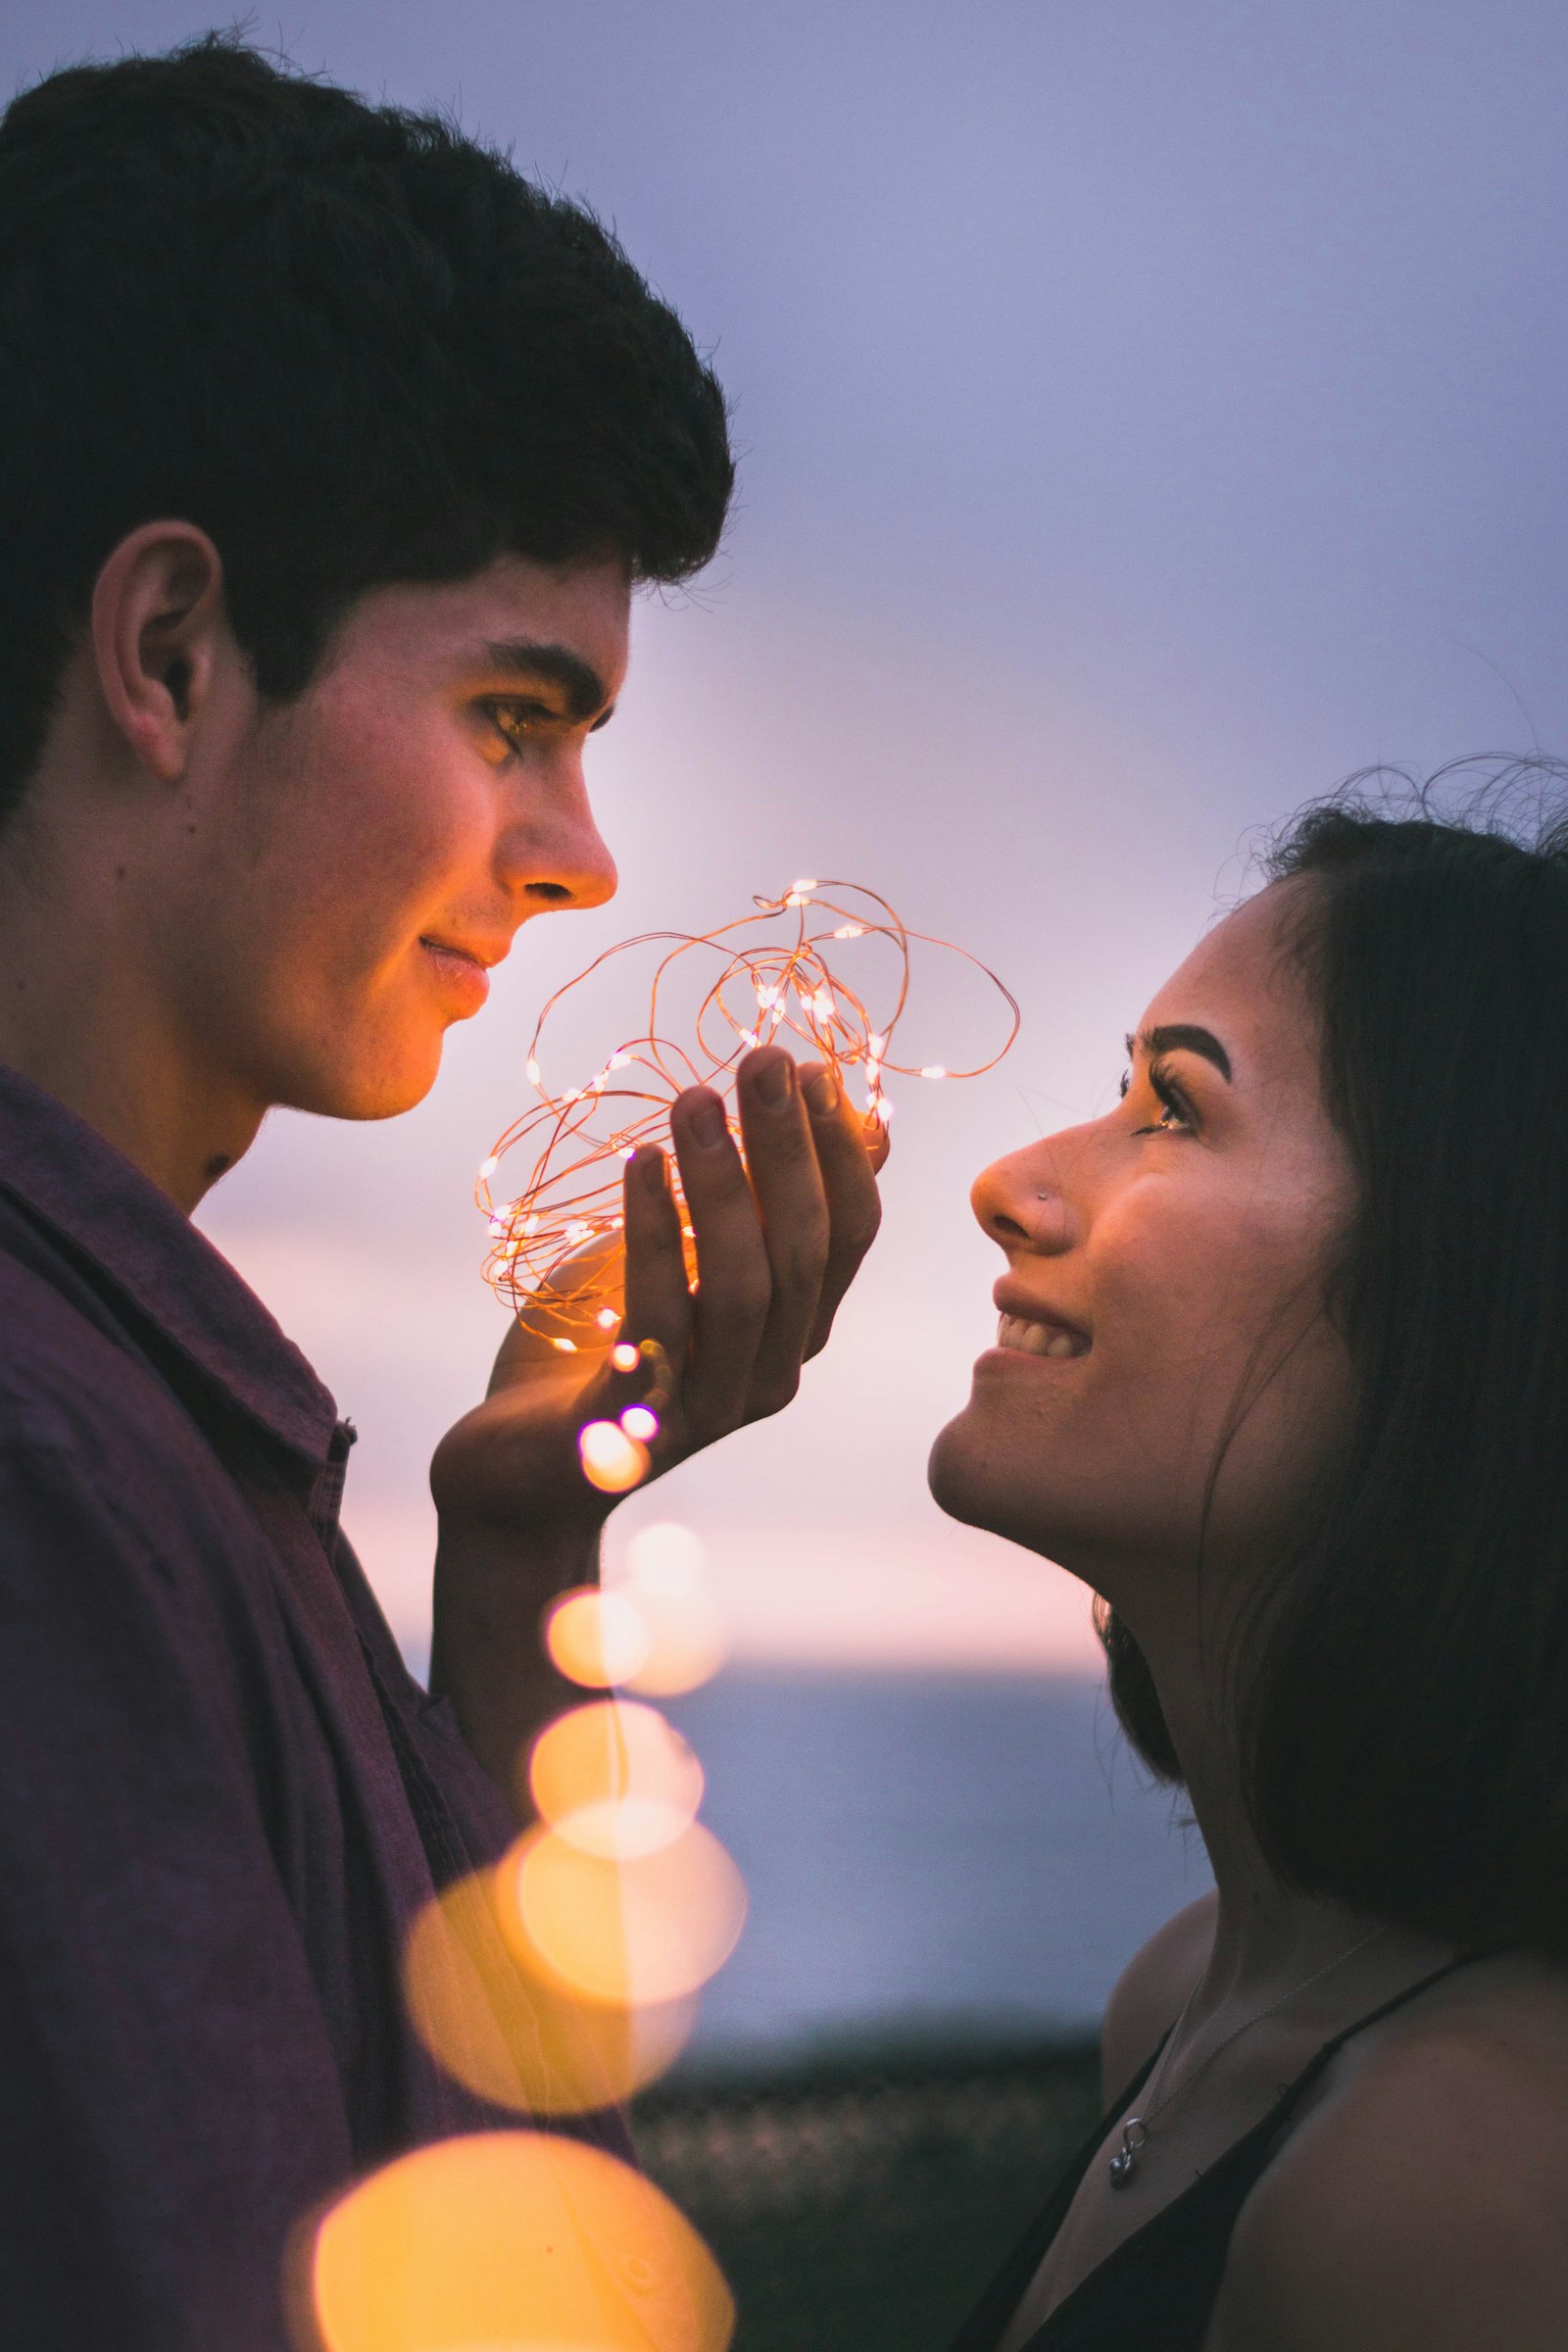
(1223, 2185)
(1314, 2066)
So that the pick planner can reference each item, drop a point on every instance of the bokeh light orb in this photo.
(664, 1576)
(651, 1929)
(614, 1459)
(615, 1779)
(596, 1639)
(512, 2241)
(508, 2028)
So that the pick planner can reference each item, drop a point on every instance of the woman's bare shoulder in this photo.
(1421, 2202)
(1151, 1989)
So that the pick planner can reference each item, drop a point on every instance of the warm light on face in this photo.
(512, 2241)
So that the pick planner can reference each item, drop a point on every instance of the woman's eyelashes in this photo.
(1176, 1116)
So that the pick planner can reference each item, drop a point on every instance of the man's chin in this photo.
(381, 1087)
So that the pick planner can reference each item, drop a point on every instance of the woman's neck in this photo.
(1269, 1937)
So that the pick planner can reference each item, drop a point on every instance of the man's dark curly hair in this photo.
(349, 343)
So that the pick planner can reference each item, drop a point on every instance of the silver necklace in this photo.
(1136, 2130)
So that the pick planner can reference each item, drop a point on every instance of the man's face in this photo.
(370, 848)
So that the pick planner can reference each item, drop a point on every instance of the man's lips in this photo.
(485, 954)
(466, 972)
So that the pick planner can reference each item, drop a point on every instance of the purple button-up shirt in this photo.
(223, 1798)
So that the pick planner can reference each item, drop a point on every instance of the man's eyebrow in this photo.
(550, 666)
(1183, 1037)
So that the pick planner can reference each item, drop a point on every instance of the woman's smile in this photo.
(1024, 1335)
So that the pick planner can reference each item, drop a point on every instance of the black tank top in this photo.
(1158, 2286)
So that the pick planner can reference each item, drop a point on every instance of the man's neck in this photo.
(82, 1017)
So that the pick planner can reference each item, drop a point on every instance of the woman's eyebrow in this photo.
(1183, 1037)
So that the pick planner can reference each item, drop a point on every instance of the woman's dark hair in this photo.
(1400, 1686)
(352, 345)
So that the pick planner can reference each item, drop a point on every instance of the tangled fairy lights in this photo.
(556, 1247)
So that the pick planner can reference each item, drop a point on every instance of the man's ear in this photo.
(158, 628)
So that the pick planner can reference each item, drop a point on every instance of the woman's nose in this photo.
(1021, 1205)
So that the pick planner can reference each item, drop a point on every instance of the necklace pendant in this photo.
(1133, 2136)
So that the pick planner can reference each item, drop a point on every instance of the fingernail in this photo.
(651, 1165)
(774, 1083)
(708, 1125)
(821, 1093)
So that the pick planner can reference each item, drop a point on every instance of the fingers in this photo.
(734, 1278)
(658, 1303)
(787, 1186)
(535, 1347)
(849, 1159)
(778, 1236)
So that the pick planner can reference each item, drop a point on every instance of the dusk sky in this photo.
(1148, 413)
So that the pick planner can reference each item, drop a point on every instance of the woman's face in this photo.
(1165, 1287)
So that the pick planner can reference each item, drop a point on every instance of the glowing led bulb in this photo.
(567, 1347)
(849, 931)
(488, 1167)
(640, 1423)
(932, 1069)
(606, 1318)
(625, 1357)
(534, 1071)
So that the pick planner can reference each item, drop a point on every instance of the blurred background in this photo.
(1148, 413)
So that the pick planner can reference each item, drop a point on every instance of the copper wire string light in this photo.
(555, 1245)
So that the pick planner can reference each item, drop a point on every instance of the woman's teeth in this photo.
(1036, 1339)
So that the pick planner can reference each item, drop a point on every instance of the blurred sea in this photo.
(952, 1860)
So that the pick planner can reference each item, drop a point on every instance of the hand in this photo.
(778, 1237)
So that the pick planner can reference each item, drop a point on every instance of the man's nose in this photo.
(1022, 1202)
(557, 857)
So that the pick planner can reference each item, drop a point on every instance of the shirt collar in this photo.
(145, 1249)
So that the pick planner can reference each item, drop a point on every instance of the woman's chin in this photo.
(972, 1477)
(968, 1481)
